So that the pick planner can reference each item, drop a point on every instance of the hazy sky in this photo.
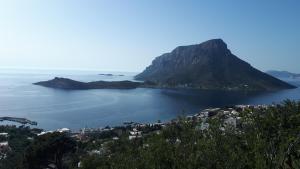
(126, 35)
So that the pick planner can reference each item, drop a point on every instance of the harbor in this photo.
(22, 121)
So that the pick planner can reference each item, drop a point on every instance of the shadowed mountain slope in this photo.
(209, 65)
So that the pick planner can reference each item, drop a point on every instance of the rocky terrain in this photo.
(209, 65)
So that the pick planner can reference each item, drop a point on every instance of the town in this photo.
(134, 130)
(102, 143)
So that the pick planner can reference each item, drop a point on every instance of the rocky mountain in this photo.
(69, 84)
(209, 65)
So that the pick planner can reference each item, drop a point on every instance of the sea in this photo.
(76, 109)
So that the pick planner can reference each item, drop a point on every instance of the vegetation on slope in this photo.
(265, 139)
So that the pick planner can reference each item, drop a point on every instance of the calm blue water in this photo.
(53, 108)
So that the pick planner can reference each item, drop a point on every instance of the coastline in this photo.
(231, 113)
(69, 84)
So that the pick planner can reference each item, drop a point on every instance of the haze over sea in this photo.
(75, 109)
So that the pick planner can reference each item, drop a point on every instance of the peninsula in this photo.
(69, 84)
(22, 121)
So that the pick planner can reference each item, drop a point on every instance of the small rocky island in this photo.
(109, 74)
(69, 84)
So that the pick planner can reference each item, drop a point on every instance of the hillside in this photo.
(248, 137)
(209, 65)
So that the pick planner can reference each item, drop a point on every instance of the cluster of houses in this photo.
(62, 130)
(230, 116)
(133, 129)
(95, 130)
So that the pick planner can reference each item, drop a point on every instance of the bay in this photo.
(75, 109)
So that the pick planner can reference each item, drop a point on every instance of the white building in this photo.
(63, 130)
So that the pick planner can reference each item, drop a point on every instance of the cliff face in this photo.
(209, 65)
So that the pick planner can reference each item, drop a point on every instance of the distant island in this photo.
(109, 74)
(283, 74)
(69, 84)
(209, 65)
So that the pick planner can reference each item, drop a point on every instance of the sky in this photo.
(126, 35)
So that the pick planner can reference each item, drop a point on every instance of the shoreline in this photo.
(69, 84)
(201, 115)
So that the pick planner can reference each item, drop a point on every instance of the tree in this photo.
(49, 150)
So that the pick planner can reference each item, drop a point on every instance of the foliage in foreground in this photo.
(264, 138)
(19, 139)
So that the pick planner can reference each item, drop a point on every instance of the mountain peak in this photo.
(214, 44)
